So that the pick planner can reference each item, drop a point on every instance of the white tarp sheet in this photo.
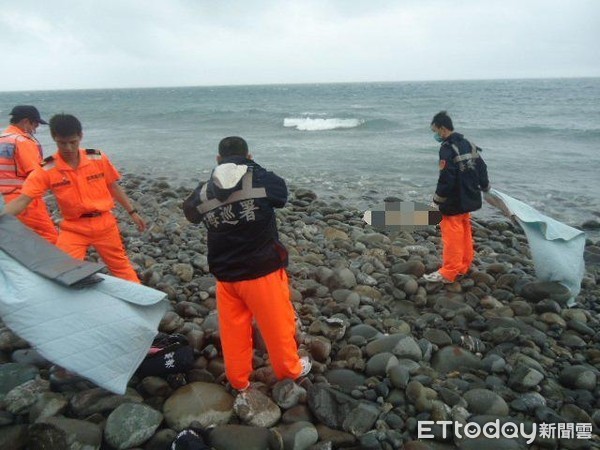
(101, 332)
(556, 248)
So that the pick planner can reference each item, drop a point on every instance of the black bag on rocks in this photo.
(169, 353)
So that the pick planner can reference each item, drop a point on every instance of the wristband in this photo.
(132, 212)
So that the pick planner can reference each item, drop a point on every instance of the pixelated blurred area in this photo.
(397, 215)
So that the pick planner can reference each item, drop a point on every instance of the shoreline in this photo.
(389, 350)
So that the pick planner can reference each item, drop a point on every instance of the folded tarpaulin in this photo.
(101, 332)
(37, 255)
(556, 249)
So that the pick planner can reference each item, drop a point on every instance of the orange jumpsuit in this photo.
(457, 240)
(20, 154)
(85, 203)
(248, 260)
(266, 299)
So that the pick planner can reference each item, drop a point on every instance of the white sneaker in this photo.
(306, 366)
(436, 277)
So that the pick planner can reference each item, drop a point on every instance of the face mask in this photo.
(437, 137)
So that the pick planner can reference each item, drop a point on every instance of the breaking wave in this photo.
(320, 124)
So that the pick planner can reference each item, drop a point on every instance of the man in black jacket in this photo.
(248, 261)
(463, 175)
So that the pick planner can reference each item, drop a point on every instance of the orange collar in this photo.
(13, 129)
(61, 164)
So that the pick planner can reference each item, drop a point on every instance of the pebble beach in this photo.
(389, 350)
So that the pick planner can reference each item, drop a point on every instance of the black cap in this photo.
(20, 112)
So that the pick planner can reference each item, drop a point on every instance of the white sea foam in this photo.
(310, 124)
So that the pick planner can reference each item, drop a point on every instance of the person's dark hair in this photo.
(64, 125)
(442, 119)
(233, 146)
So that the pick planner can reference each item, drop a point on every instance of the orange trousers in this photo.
(101, 232)
(457, 241)
(36, 218)
(267, 299)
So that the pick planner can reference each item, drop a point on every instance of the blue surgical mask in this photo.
(437, 137)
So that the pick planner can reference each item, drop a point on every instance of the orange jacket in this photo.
(78, 191)
(20, 153)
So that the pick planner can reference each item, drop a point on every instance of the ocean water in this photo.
(357, 143)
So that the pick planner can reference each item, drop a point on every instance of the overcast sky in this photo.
(65, 44)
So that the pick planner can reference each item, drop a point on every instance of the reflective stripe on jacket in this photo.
(10, 181)
(12, 176)
(463, 175)
(237, 207)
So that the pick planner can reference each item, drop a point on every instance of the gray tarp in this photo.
(556, 248)
(34, 252)
(101, 332)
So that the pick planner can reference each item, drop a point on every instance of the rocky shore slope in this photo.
(389, 349)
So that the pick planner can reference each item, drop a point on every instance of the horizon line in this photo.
(300, 84)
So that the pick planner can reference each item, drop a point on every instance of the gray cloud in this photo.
(126, 43)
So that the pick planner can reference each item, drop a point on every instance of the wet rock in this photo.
(486, 402)
(344, 379)
(21, 398)
(528, 403)
(320, 348)
(366, 331)
(407, 347)
(240, 436)
(378, 365)
(15, 374)
(553, 319)
(331, 234)
(579, 377)
(342, 279)
(98, 400)
(399, 376)
(437, 337)
(340, 411)
(298, 436)
(453, 358)
(56, 433)
(524, 378)
(256, 409)
(333, 328)
(130, 425)
(504, 334)
(339, 439)
(185, 272)
(288, 394)
(161, 440)
(206, 403)
(48, 404)
(414, 267)
(30, 356)
(156, 386)
(540, 290)
(298, 413)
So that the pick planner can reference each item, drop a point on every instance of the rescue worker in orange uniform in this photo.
(20, 154)
(245, 256)
(463, 175)
(85, 185)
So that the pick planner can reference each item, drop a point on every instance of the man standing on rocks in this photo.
(463, 175)
(245, 256)
(20, 154)
(85, 185)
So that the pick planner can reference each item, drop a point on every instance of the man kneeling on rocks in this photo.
(245, 256)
